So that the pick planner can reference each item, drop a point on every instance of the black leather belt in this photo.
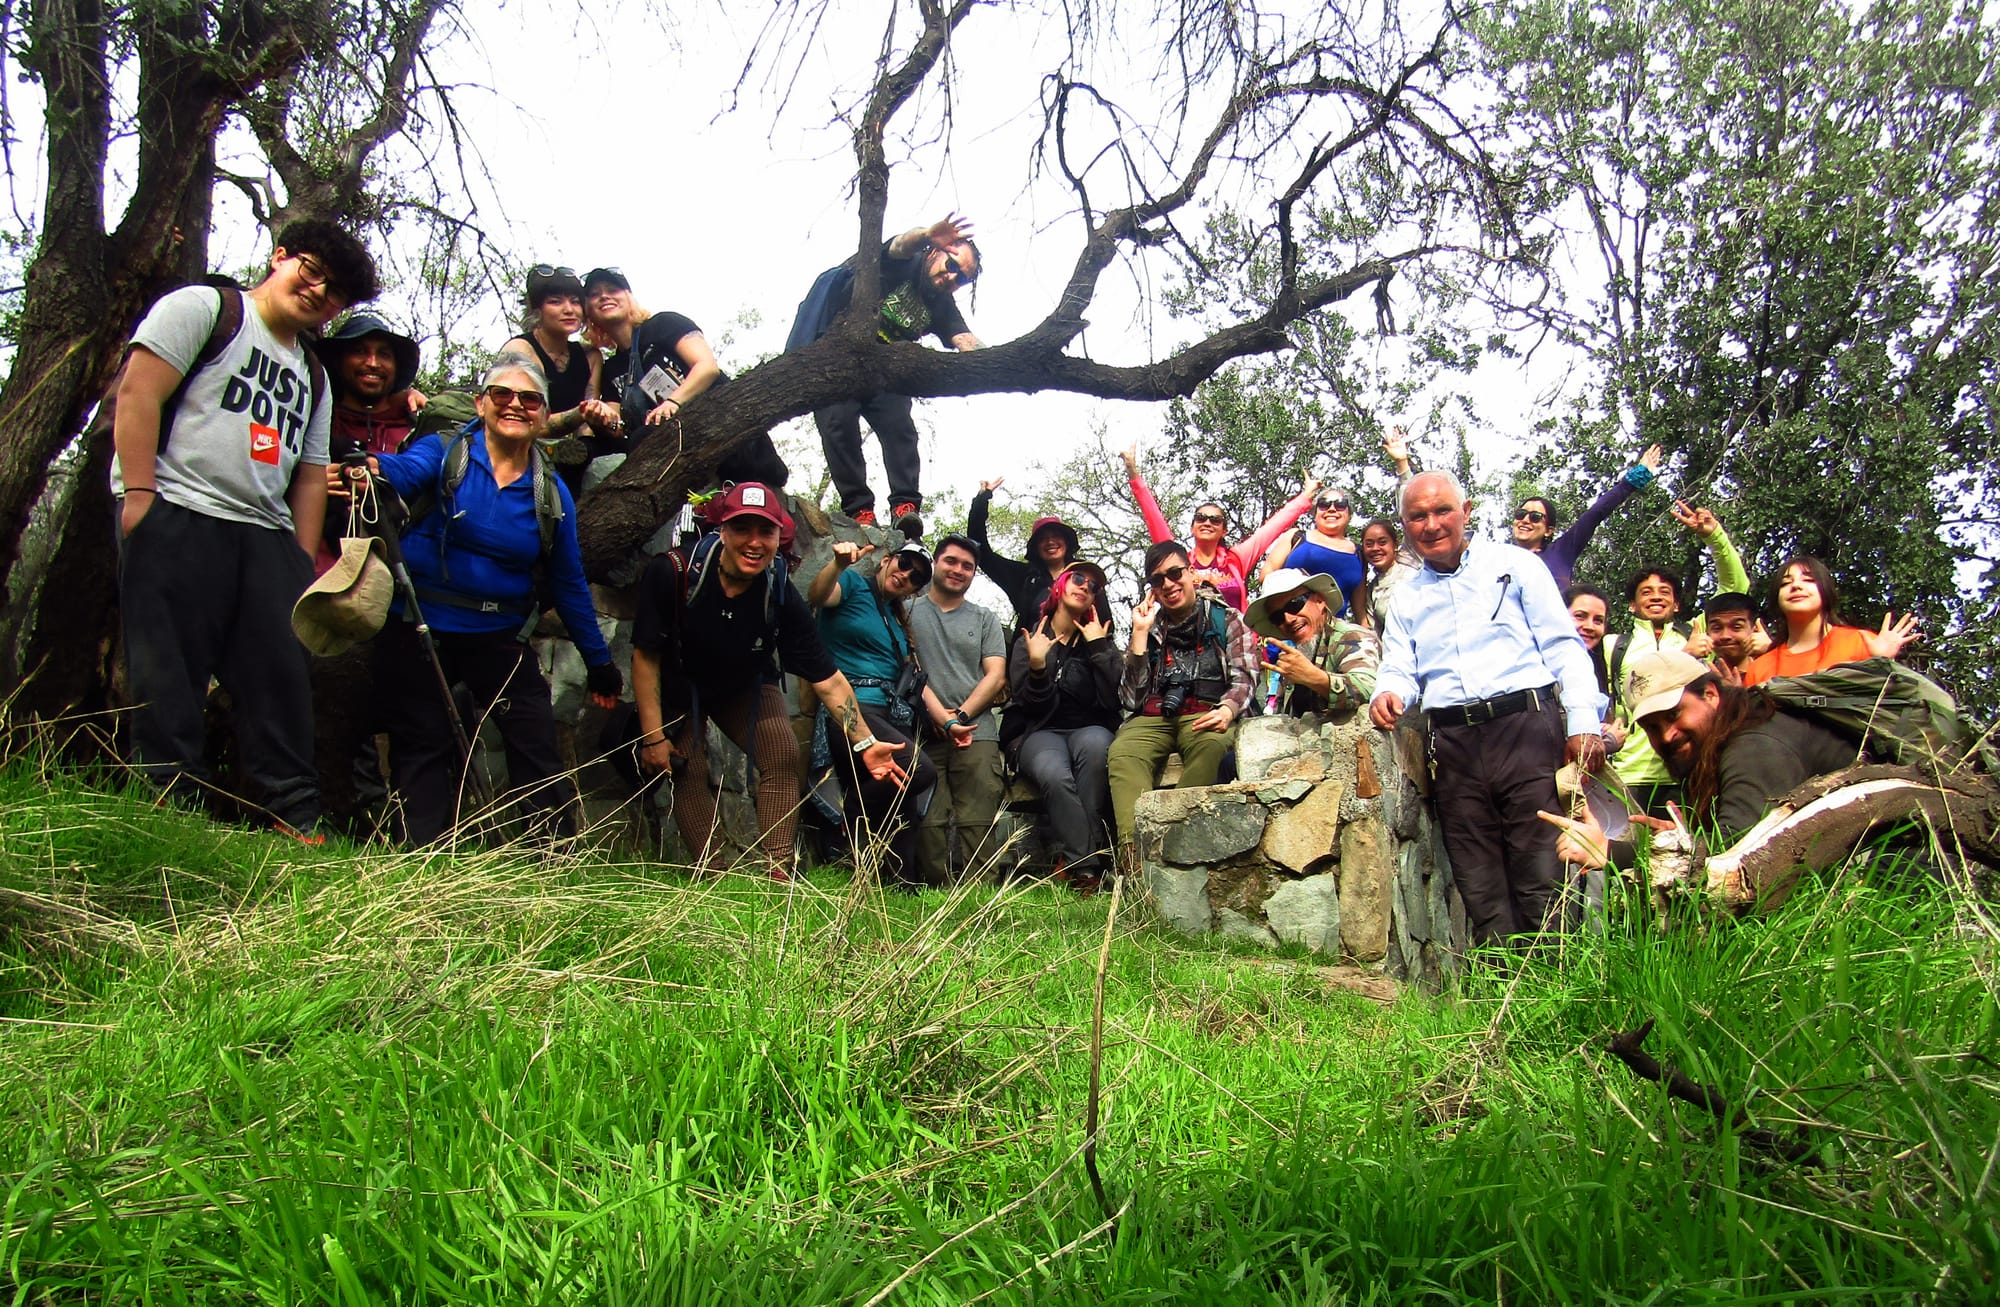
(1500, 705)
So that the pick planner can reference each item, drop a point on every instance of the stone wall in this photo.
(1323, 841)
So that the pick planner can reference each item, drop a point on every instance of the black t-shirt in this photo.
(568, 383)
(720, 646)
(655, 339)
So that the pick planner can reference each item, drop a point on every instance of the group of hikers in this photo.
(295, 440)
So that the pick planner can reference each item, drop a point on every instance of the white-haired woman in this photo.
(482, 496)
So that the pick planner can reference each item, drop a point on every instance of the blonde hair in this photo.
(595, 336)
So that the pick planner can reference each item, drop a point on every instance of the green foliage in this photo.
(1784, 276)
(239, 1071)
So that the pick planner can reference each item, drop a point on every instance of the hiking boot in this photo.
(865, 517)
(570, 451)
(313, 838)
(908, 521)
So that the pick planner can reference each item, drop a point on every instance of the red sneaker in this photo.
(908, 520)
(866, 517)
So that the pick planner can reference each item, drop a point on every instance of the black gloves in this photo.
(605, 680)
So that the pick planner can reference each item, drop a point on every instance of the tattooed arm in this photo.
(879, 758)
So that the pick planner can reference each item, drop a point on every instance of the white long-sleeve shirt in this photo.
(1496, 625)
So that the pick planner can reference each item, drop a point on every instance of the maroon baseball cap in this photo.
(1067, 531)
(751, 499)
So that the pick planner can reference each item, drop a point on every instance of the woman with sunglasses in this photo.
(1218, 566)
(1062, 676)
(1804, 594)
(1535, 519)
(1321, 547)
(472, 551)
(555, 314)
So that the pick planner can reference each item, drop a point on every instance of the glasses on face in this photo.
(1530, 515)
(1086, 583)
(550, 270)
(1166, 576)
(1291, 607)
(1215, 518)
(956, 271)
(505, 397)
(1332, 506)
(311, 271)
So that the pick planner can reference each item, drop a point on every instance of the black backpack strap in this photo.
(1616, 671)
(222, 334)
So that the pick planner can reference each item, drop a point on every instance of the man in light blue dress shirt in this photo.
(1480, 638)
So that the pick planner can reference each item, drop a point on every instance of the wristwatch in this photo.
(960, 718)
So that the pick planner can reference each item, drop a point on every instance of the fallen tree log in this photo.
(1820, 824)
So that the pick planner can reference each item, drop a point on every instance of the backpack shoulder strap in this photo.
(548, 500)
(1615, 669)
(221, 335)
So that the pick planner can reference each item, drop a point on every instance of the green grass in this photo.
(235, 1071)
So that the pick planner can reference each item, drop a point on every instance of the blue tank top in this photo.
(1347, 570)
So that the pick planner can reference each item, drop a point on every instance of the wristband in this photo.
(865, 745)
(137, 490)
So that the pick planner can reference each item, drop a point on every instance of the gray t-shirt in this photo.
(951, 645)
(246, 421)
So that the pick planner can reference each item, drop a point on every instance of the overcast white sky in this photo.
(609, 143)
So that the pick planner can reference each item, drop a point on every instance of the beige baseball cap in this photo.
(1654, 680)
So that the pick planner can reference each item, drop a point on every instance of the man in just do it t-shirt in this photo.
(220, 506)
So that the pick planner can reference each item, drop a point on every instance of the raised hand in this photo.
(1698, 644)
(850, 552)
(1144, 614)
(1130, 457)
(1396, 444)
(1313, 485)
(1094, 629)
(988, 487)
(1039, 643)
(1685, 515)
(952, 229)
(1895, 633)
(1651, 458)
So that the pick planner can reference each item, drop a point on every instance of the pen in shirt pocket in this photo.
(1506, 579)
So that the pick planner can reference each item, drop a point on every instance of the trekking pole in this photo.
(390, 533)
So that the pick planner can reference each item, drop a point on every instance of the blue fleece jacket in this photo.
(483, 545)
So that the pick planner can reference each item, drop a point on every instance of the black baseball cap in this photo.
(611, 275)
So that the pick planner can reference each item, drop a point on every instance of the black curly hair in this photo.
(350, 269)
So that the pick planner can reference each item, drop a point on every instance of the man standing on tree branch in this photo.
(922, 270)
(1481, 638)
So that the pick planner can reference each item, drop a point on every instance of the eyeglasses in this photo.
(1088, 583)
(550, 270)
(956, 271)
(311, 271)
(1332, 506)
(504, 397)
(1166, 576)
(1530, 515)
(1291, 607)
(1216, 518)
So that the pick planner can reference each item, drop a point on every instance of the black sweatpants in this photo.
(1491, 781)
(840, 439)
(507, 686)
(200, 596)
(880, 813)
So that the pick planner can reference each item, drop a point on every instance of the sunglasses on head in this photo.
(1167, 576)
(1530, 515)
(1216, 518)
(1291, 607)
(550, 270)
(502, 397)
(1332, 505)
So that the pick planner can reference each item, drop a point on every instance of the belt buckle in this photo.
(1479, 712)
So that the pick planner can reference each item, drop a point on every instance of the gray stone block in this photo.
(1213, 831)
(1234, 925)
(1181, 896)
(1307, 912)
(1263, 743)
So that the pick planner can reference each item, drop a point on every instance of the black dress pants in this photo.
(1492, 779)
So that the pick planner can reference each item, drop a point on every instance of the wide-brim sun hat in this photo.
(349, 603)
(1283, 584)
